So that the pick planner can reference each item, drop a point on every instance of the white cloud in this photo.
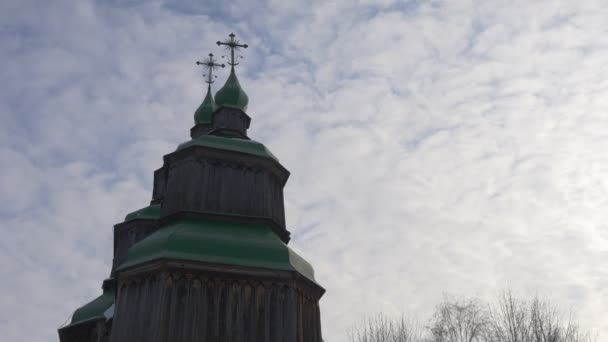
(434, 146)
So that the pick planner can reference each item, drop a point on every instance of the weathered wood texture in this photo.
(189, 307)
(232, 118)
(225, 117)
(127, 234)
(159, 186)
(200, 129)
(91, 331)
(207, 180)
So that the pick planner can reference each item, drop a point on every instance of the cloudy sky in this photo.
(435, 146)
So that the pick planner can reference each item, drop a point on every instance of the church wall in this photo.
(200, 129)
(231, 118)
(129, 233)
(160, 182)
(91, 331)
(181, 306)
(200, 182)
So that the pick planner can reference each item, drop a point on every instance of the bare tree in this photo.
(509, 319)
(515, 320)
(381, 328)
(459, 321)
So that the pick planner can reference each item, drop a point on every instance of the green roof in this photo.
(96, 308)
(231, 94)
(218, 242)
(231, 144)
(204, 113)
(151, 212)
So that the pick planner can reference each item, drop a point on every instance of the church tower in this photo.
(208, 259)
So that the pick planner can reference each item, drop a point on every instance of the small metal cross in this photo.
(232, 44)
(211, 65)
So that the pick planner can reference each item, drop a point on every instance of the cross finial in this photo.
(211, 65)
(232, 44)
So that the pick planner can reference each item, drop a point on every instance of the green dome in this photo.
(231, 144)
(151, 212)
(204, 112)
(231, 94)
(97, 308)
(221, 242)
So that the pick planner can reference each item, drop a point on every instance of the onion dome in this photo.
(231, 94)
(204, 112)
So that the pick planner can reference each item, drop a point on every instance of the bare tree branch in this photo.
(536, 320)
(508, 319)
(381, 328)
(459, 321)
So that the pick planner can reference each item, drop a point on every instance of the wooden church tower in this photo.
(207, 260)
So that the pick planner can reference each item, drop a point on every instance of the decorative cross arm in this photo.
(232, 44)
(210, 64)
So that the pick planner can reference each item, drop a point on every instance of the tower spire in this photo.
(231, 94)
(204, 111)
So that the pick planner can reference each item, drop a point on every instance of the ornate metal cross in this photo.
(232, 44)
(211, 65)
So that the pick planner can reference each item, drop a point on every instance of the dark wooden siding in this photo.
(129, 233)
(90, 331)
(224, 183)
(231, 118)
(194, 307)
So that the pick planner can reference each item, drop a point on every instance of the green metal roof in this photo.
(96, 308)
(230, 144)
(219, 242)
(204, 112)
(151, 212)
(231, 94)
